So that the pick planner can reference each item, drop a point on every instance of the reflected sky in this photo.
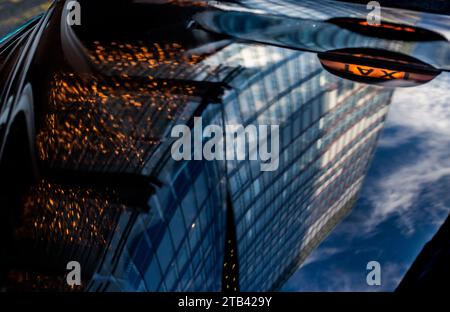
(403, 202)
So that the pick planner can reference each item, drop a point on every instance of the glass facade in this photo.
(328, 130)
(179, 245)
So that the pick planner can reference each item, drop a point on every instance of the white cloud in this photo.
(321, 254)
(391, 275)
(334, 278)
(422, 114)
(416, 113)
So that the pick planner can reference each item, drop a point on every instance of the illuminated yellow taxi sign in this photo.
(377, 67)
(367, 71)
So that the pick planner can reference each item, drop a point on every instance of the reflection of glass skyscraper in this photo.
(328, 132)
(140, 220)
(328, 129)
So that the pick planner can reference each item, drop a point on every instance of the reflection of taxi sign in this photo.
(368, 71)
(377, 67)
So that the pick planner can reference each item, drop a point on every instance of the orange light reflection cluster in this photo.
(53, 213)
(92, 123)
(31, 281)
(157, 59)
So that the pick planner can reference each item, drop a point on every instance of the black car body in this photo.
(73, 116)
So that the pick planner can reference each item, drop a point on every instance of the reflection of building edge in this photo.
(323, 233)
(230, 275)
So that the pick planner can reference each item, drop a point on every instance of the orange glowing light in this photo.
(387, 30)
(389, 26)
(377, 67)
(56, 213)
(367, 71)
